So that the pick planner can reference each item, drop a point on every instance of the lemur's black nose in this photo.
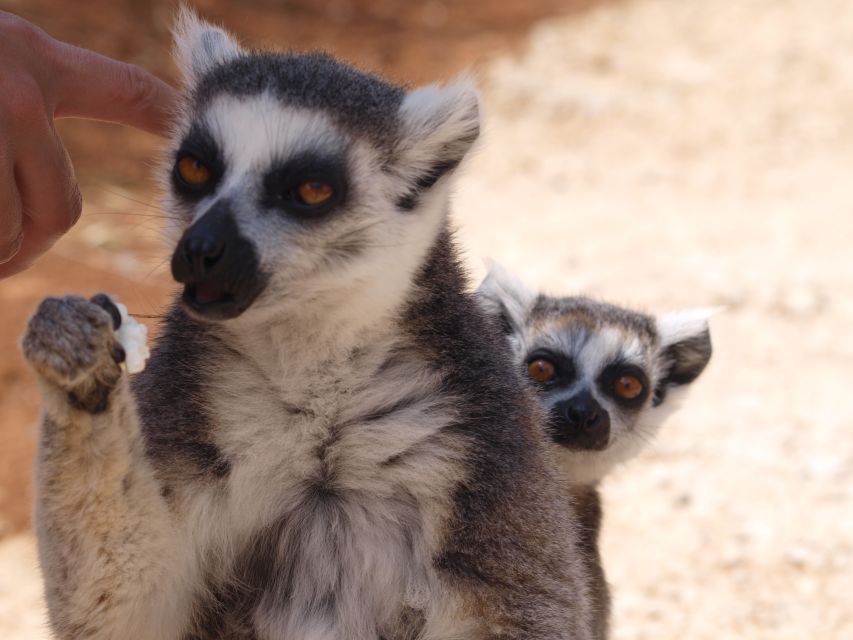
(581, 423)
(583, 411)
(202, 252)
(218, 266)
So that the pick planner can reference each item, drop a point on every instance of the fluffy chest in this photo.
(338, 495)
(348, 430)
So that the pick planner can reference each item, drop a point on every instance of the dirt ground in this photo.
(658, 153)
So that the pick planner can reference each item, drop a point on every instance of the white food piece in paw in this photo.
(133, 336)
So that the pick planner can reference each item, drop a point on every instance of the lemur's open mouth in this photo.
(217, 266)
(205, 293)
(208, 300)
(211, 299)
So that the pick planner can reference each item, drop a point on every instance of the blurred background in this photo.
(656, 153)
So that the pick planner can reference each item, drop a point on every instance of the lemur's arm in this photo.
(106, 536)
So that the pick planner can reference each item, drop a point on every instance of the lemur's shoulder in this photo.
(457, 337)
(510, 483)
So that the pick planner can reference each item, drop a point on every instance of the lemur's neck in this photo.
(587, 501)
(307, 340)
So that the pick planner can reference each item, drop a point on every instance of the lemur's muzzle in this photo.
(580, 423)
(218, 266)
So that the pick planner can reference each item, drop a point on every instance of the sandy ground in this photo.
(667, 154)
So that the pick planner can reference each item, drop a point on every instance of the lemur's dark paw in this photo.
(106, 303)
(70, 342)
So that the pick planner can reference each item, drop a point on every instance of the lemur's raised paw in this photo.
(70, 341)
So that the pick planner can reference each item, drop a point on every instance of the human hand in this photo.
(42, 79)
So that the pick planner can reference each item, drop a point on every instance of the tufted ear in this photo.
(199, 46)
(685, 347)
(505, 297)
(439, 126)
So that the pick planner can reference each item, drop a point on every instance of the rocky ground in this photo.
(663, 154)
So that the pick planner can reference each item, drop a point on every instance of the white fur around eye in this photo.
(253, 132)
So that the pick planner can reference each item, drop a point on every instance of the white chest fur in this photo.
(350, 479)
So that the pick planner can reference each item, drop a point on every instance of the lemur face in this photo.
(299, 179)
(594, 367)
(604, 374)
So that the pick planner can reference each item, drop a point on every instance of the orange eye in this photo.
(314, 192)
(541, 370)
(628, 387)
(193, 172)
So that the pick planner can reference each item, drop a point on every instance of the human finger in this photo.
(46, 183)
(11, 223)
(46, 201)
(93, 86)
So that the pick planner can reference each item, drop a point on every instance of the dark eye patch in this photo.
(199, 145)
(564, 368)
(609, 378)
(281, 186)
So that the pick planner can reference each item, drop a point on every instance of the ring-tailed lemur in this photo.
(607, 377)
(326, 443)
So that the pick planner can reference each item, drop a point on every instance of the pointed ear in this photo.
(200, 46)
(505, 297)
(439, 125)
(685, 347)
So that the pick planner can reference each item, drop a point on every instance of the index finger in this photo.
(93, 86)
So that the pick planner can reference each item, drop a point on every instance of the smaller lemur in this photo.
(607, 377)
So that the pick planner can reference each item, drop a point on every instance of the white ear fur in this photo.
(680, 325)
(685, 347)
(502, 294)
(440, 123)
(200, 46)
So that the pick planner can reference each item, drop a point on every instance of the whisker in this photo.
(130, 213)
(157, 266)
(646, 434)
(127, 197)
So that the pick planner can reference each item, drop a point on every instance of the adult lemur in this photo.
(326, 444)
(607, 377)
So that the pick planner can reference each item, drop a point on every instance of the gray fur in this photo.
(362, 103)
(170, 392)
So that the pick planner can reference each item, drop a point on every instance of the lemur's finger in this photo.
(106, 303)
(117, 352)
(114, 91)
